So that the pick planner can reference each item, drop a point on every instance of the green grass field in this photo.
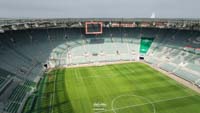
(119, 88)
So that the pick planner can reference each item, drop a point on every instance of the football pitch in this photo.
(117, 88)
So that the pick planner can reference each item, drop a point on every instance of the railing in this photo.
(23, 103)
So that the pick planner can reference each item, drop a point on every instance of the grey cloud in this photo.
(99, 8)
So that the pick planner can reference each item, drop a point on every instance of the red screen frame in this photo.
(94, 33)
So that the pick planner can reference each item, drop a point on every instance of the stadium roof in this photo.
(15, 21)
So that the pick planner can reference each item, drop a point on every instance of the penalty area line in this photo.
(137, 105)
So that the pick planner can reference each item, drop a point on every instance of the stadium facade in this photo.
(28, 47)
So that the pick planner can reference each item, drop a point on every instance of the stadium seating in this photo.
(102, 52)
(173, 57)
(168, 67)
(12, 107)
(23, 53)
(186, 75)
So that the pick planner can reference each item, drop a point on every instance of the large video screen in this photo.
(93, 27)
(145, 44)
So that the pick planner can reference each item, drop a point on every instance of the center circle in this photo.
(133, 103)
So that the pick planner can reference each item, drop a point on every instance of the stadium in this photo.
(100, 65)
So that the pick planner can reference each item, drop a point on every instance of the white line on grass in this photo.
(76, 75)
(142, 97)
(54, 92)
(50, 104)
(137, 105)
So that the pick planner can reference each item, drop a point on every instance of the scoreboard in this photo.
(93, 28)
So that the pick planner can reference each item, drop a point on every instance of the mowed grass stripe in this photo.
(77, 89)
(106, 90)
(78, 92)
(163, 89)
(122, 77)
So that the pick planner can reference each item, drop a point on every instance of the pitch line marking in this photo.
(136, 105)
(148, 101)
(76, 75)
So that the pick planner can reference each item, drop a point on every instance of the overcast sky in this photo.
(99, 8)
